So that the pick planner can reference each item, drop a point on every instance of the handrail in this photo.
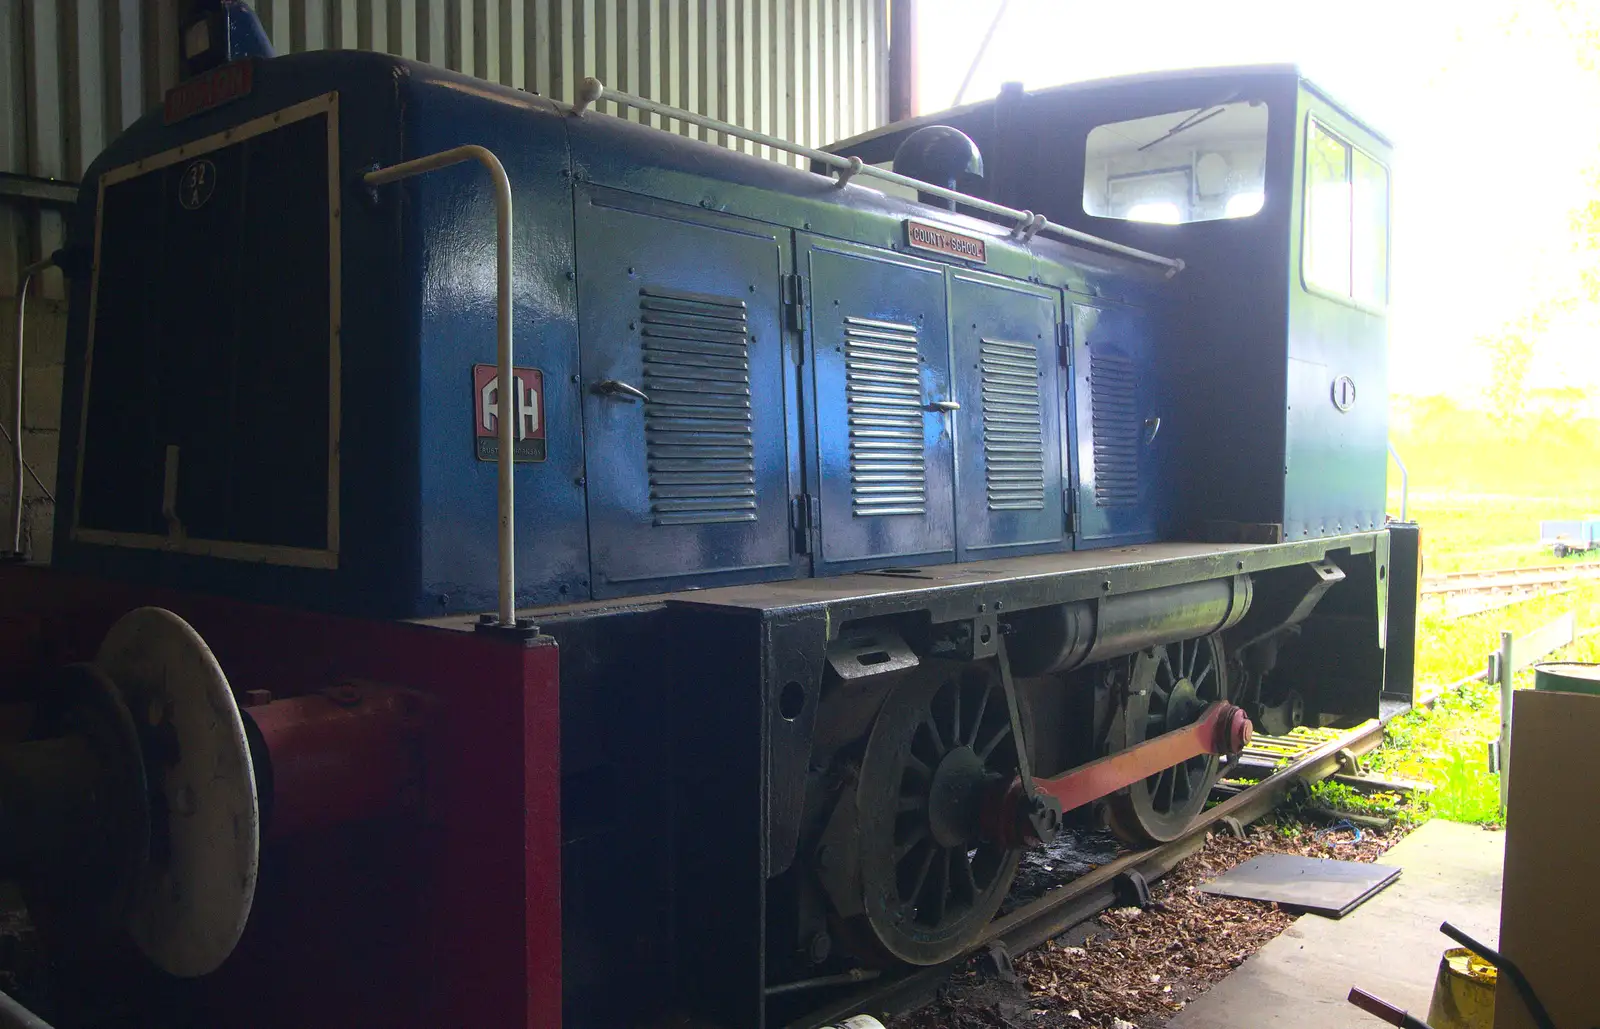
(18, 463)
(1025, 225)
(1405, 479)
(505, 463)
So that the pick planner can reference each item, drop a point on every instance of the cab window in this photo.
(1201, 164)
(1346, 238)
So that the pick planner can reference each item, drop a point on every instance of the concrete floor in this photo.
(1389, 946)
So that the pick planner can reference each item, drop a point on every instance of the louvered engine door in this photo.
(1009, 497)
(883, 453)
(1115, 424)
(683, 364)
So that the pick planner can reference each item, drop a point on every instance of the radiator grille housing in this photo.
(1114, 411)
(1013, 433)
(700, 453)
(883, 399)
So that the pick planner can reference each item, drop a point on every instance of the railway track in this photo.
(1082, 898)
(1473, 593)
(1509, 579)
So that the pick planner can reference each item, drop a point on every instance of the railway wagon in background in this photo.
(1570, 536)
(844, 533)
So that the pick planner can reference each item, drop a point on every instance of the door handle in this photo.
(944, 406)
(618, 388)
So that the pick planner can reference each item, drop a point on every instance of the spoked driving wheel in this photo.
(1171, 687)
(941, 743)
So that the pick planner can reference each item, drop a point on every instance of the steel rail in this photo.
(1025, 225)
(507, 419)
(1511, 579)
(1566, 566)
(1086, 896)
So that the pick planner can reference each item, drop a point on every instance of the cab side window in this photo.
(1346, 238)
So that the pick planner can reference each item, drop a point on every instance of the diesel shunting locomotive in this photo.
(844, 531)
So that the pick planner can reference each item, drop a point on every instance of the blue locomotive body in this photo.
(794, 347)
(855, 518)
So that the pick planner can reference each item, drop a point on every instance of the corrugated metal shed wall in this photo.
(73, 73)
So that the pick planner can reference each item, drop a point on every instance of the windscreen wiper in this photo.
(1201, 114)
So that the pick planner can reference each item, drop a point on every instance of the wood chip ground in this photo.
(1135, 968)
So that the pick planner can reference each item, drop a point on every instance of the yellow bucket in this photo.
(1463, 992)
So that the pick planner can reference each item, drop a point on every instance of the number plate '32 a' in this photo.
(524, 402)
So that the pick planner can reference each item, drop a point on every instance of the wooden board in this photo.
(1550, 906)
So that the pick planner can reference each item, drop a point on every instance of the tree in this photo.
(1581, 19)
(1511, 352)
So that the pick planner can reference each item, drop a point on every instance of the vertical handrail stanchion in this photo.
(1405, 480)
(18, 462)
(507, 419)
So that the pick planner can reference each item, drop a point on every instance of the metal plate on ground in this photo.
(1320, 885)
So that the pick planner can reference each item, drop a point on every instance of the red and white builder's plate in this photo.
(524, 402)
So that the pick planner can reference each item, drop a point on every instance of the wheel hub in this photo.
(955, 798)
(1183, 706)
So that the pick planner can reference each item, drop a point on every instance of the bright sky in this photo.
(1493, 116)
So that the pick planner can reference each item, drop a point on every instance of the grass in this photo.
(1479, 492)
(1449, 649)
(1400, 807)
(1447, 745)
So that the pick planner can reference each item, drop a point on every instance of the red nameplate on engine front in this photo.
(212, 89)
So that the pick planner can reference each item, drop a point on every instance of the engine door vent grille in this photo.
(883, 397)
(1013, 432)
(1114, 410)
(699, 449)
